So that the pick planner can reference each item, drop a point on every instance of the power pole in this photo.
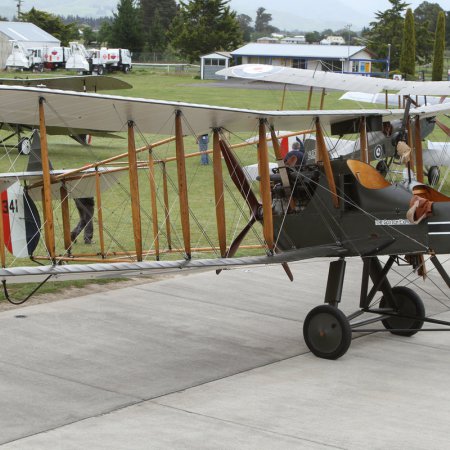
(19, 4)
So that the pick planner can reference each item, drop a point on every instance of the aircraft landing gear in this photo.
(433, 175)
(328, 332)
(326, 329)
(24, 146)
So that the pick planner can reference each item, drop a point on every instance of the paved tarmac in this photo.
(219, 362)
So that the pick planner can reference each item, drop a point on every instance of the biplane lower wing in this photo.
(89, 83)
(129, 269)
(86, 83)
(78, 186)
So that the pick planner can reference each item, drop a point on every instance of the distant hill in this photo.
(93, 22)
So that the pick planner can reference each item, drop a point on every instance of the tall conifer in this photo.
(439, 46)
(408, 54)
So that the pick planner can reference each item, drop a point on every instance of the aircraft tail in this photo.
(35, 159)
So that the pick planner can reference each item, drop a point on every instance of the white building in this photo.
(267, 40)
(211, 63)
(28, 34)
(333, 40)
(336, 58)
(293, 40)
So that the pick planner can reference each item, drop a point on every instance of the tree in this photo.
(52, 24)
(424, 43)
(427, 13)
(89, 36)
(126, 27)
(262, 22)
(204, 26)
(388, 29)
(408, 54)
(313, 37)
(447, 28)
(425, 19)
(244, 24)
(156, 37)
(439, 47)
(105, 32)
(347, 34)
(157, 15)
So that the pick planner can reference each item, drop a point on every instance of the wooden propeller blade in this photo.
(238, 240)
(240, 237)
(239, 179)
(287, 269)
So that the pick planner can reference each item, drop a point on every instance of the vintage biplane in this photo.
(331, 208)
(79, 83)
(381, 142)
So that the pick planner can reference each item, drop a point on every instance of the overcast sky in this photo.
(305, 15)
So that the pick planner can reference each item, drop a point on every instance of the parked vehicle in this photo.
(113, 59)
(78, 58)
(25, 59)
(98, 60)
(56, 57)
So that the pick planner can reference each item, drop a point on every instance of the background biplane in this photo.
(381, 142)
(79, 83)
(331, 208)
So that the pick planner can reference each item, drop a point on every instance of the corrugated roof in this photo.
(218, 55)
(298, 51)
(25, 32)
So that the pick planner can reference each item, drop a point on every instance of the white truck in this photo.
(56, 57)
(21, 58)
(98, 60)
(78, 59)
(112, 59)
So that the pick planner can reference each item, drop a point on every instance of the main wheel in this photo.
(327, 332)
(24, 146)
(433, 175)
(408, 303)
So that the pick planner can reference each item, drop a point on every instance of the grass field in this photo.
(116, 201)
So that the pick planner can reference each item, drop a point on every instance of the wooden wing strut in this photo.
(49, 229)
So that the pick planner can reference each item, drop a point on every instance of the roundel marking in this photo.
(378, 151)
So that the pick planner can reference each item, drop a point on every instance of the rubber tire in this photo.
(327, 332)
(24, 146)
(408, 303)
(126, 69)
(433, 175)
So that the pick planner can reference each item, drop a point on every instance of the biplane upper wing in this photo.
(112, 113)
(82, 83)
(331, 80)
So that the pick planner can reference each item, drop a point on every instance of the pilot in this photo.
(85, 207)
(295, 157)
(387, 129)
